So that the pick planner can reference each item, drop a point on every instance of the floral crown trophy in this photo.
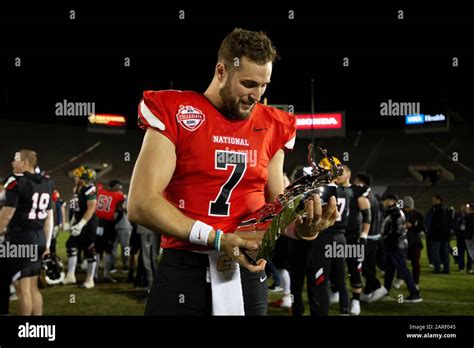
(266, 225)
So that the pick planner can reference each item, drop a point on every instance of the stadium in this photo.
(399, 121)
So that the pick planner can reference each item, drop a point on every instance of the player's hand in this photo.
(77, 228)
(317, 218)
(46, 253)
(234, 246)
(362, 241)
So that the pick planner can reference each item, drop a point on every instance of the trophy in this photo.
(266, 225)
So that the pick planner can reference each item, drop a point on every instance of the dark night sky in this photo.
(82, 60)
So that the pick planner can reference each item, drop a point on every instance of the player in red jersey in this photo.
(207, 161)
(109, 204)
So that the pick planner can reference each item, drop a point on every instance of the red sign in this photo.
(319, 121)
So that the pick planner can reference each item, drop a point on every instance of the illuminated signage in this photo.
(107, 120)
(421, 123)
(319, 121)
(421, 118)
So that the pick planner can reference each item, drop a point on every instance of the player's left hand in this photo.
(317, 218)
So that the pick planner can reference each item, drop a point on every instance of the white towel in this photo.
(227, 296)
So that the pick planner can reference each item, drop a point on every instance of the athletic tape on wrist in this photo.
(199, 233)
(217, 241)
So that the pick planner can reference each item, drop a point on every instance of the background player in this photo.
(109, 206)
(357, 231)
(84, 230)
(28, 217)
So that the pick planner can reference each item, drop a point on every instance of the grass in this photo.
(442, 295)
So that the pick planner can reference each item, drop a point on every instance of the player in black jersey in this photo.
(27, 216)
(373, 290)
(356, 233)
(329, 259)
(83, 227)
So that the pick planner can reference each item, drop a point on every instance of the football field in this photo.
(442, 294)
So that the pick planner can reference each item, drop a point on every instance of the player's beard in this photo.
(231, 106)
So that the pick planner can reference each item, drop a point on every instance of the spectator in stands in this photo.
(439, 224)
(415, 227)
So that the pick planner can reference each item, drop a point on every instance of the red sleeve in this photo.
(290, 134)
(157, 111)
(285, 132)
(121, 198)
(12, 194)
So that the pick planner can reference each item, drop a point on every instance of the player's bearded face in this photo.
(232, 104)
(243, 88)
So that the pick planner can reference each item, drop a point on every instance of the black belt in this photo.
(185, 257)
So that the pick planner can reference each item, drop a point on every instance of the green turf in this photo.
(442, 294)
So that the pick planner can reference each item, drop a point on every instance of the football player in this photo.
(207, 161)
(109, 204)
(2, 195)
(373, 290)
(84, 226)
(357, 230)
(28, 218)
(59, 209)
(123, 228)
(325, 262)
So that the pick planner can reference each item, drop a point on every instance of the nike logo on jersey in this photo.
(199, 234)
(262, 279)
(259, 129)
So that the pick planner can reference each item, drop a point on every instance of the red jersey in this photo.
(107, 202)
(222, 164)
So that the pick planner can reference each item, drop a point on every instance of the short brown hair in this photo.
(255, 45)
(29, 156)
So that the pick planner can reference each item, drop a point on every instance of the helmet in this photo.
(84, 173)
(325, 163)
(52, 271)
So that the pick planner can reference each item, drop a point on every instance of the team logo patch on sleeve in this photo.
(190, 118)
